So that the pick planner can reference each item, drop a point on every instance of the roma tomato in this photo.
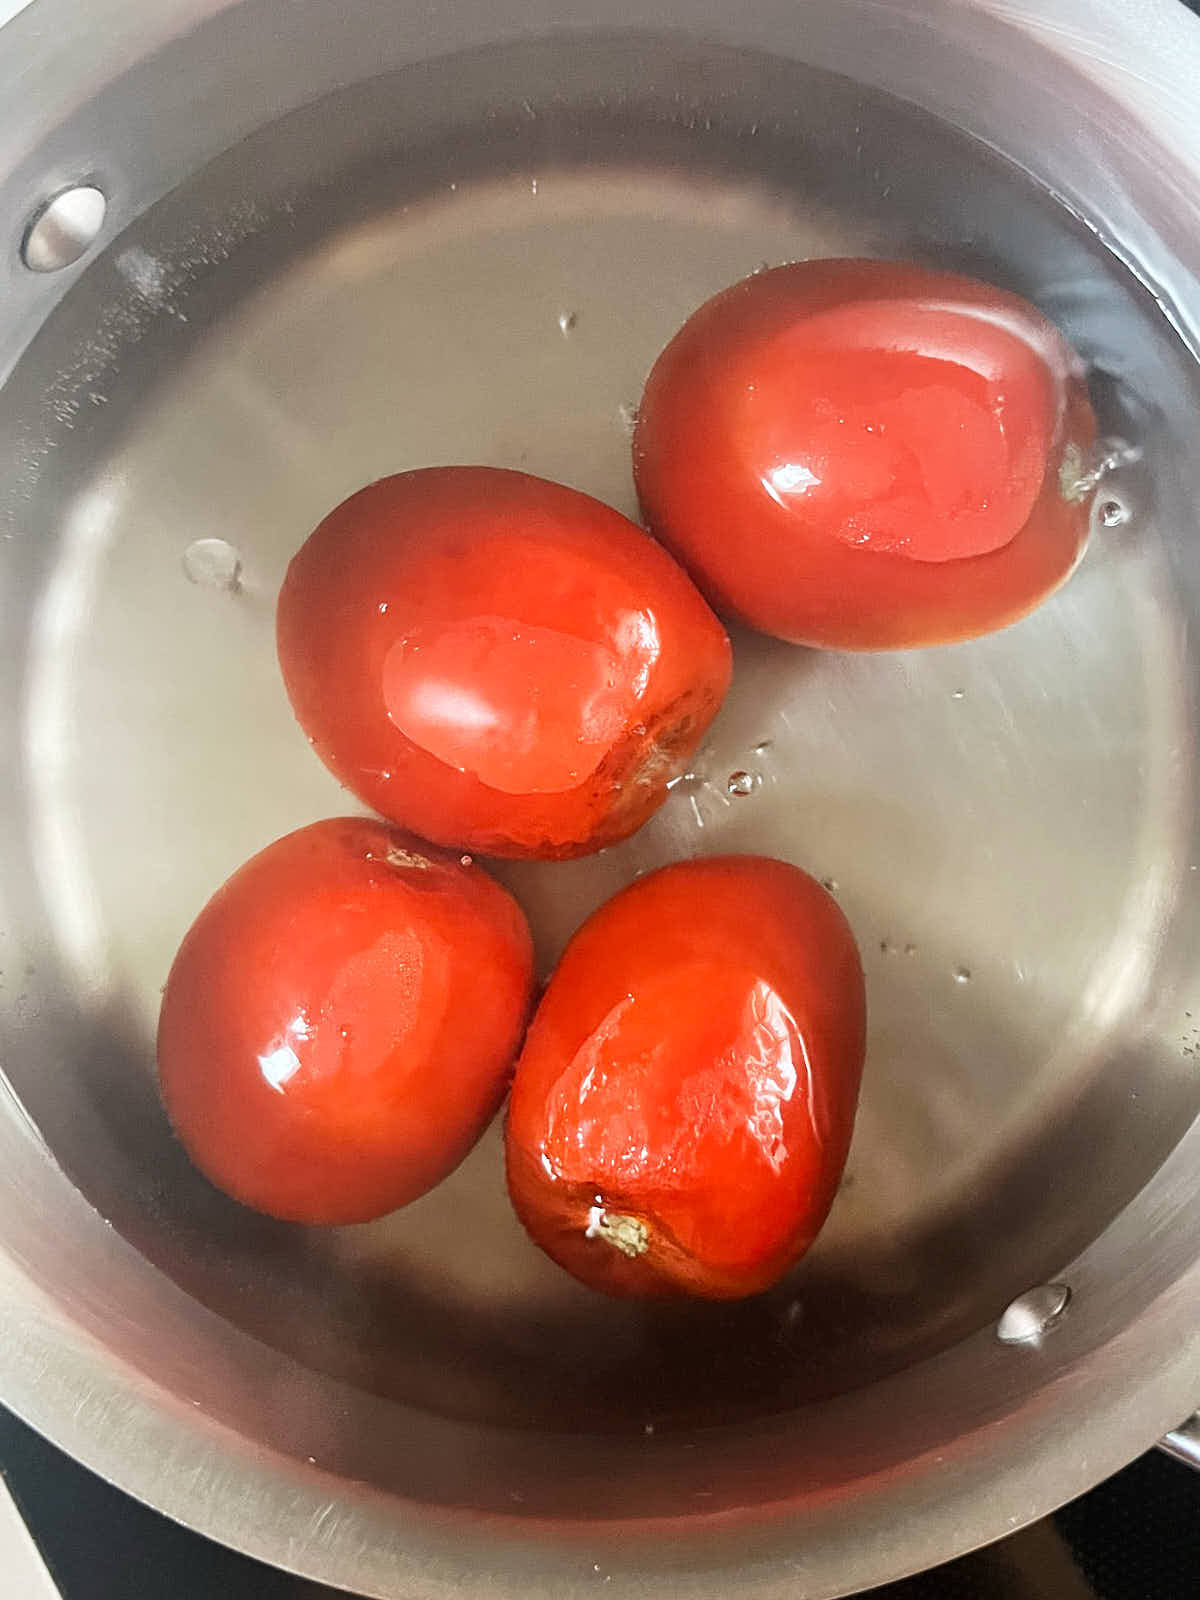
(340, 1022)
(682, 1108)
(867, 454)
(498, 662)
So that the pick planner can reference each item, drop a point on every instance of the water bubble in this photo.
(1112, 514)
(383, 608)
(627, 412)
(213, 563)
(962, 974)
(742, 783)
(465, 861)
(566, 322)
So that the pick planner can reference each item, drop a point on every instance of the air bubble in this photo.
(566, 322)
(627, 413)
(910, 949)
(830, 885)
(213, 563)
(958, 694)
(742, 783)
(886, 947)
(962, 974)
(466, 861)
(763, 747)
(1112, 514)
(383, 608)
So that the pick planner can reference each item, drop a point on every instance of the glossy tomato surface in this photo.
(867, 454)
(498, 662)
(341, 1020)
(683, 1106)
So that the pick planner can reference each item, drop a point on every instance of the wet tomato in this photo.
(683, 1105)
(341, 1021)
(867, 454)
(498, 662)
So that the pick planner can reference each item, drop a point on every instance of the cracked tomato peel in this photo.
(498, 662)
(683, 1105)
(867, 454)
(340, 1023)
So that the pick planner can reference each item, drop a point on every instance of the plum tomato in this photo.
(498, 662)
(682, 1108)
(341, 1021)
(867, 454)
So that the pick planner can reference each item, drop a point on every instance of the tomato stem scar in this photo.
(397, 857)
(626, 1234)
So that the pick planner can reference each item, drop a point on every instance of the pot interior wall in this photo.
(477, 259)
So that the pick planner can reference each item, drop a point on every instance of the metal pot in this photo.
(298, 245)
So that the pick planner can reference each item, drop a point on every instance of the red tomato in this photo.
(341, 1020)
(867, 454)
(683, 1105)
(497, 661)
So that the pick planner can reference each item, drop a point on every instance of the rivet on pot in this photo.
(1033, 1313)
(63, 228)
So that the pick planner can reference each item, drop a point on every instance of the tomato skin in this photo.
(340, 1022)
(866, 454)
(683, 1105)
(498, 662)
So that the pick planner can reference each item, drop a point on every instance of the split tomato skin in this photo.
(341, 1021)
(683, 1105)
(867, 455)
(498, 662)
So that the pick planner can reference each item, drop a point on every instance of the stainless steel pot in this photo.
(316, 249)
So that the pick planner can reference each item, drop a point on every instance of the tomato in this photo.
(498, 662)
(341, 1020)
(683, 1106)
(867, 454)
